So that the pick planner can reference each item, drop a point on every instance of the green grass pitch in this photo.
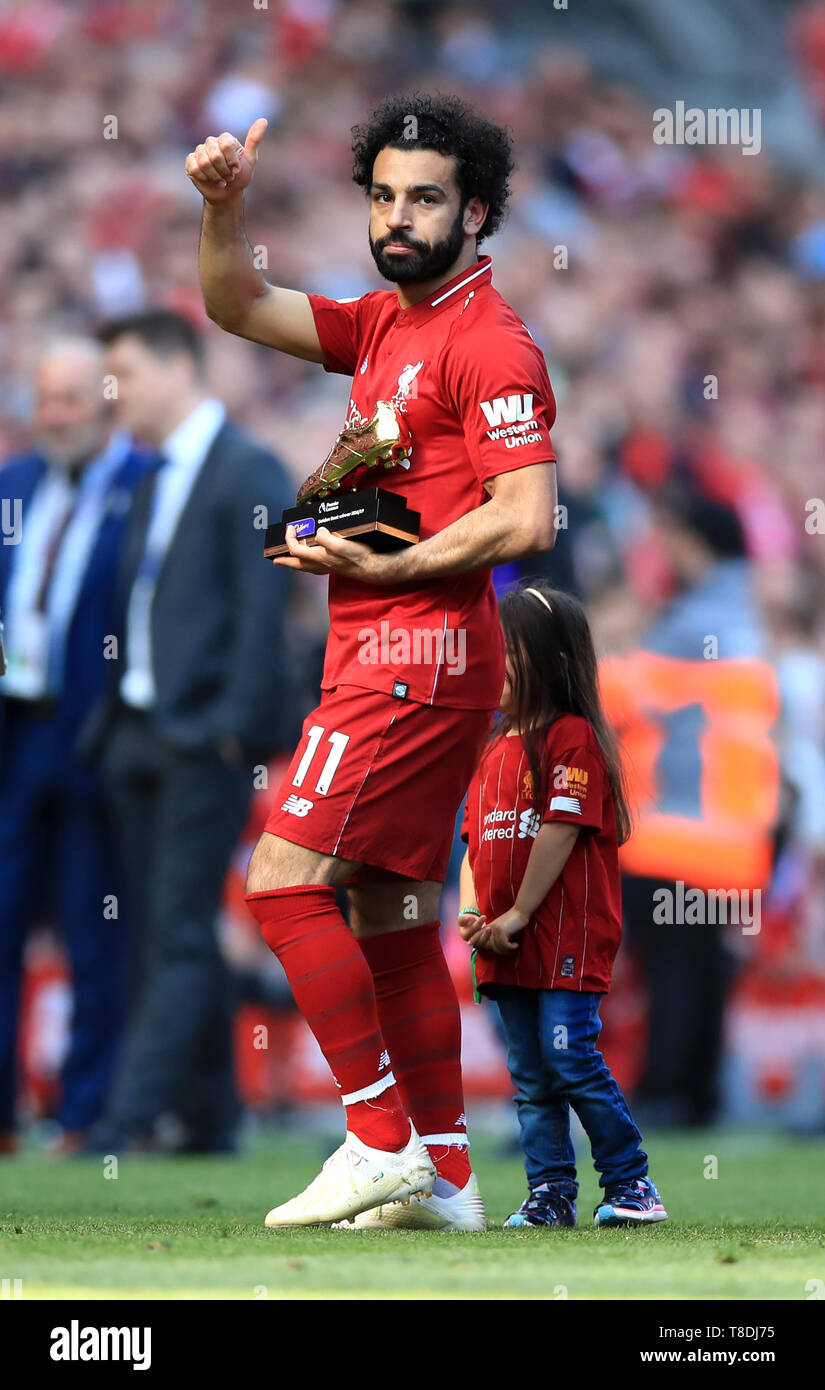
(192, 1228)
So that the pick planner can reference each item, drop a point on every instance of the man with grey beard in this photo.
(63, 506)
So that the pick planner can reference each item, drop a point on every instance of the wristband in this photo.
(474, 911)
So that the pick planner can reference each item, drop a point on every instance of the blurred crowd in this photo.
(678, 294)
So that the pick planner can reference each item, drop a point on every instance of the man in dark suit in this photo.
(64, 508)
(202, 696)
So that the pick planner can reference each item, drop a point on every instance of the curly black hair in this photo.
(448, 125)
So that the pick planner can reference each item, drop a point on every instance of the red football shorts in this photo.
(380, 780)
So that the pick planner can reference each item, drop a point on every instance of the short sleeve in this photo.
(576, 788)
(500, 384)
(338, 322)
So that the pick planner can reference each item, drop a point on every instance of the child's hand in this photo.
(469, 926)
(498, 936)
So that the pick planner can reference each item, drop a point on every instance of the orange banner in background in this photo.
(727, 843)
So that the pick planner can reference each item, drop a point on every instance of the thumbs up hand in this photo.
(221, 168)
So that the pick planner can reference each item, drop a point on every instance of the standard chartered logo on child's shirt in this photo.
(529, 823)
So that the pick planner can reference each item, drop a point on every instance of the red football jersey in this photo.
(474, 389)
(571, 940)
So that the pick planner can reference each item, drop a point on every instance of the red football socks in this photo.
(421, 1023)
(333, 988)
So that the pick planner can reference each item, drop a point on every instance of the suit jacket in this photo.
(95, 614)
(217, 619)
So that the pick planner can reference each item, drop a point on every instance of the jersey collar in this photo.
(453, 294)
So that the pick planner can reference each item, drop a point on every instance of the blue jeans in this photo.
(554, 1063)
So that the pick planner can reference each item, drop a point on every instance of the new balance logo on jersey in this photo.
(354, 416)
(529, 823)
(297, 805)
(506, 410)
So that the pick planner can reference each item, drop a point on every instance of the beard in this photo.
(71, 451)
(424, 262)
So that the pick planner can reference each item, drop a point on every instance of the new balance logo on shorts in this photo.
(383, 1060)
(297, 805)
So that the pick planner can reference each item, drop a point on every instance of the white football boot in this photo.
(463, 1211)
(355, 1178)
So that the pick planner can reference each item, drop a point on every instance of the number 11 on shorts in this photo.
(339, 742)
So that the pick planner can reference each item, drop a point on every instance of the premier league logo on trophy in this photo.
(330, 496)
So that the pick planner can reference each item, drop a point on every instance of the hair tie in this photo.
(540, 598)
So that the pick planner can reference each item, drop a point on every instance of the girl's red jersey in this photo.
(571, 940)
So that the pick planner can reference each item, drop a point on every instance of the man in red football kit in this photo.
(415, 662)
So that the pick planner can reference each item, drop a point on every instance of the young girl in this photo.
(541, 905)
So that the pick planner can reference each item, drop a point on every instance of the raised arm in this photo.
(236, 295)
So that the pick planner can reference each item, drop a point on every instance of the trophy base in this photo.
(375, 517)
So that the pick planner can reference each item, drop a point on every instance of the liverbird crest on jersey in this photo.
(405, 381)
